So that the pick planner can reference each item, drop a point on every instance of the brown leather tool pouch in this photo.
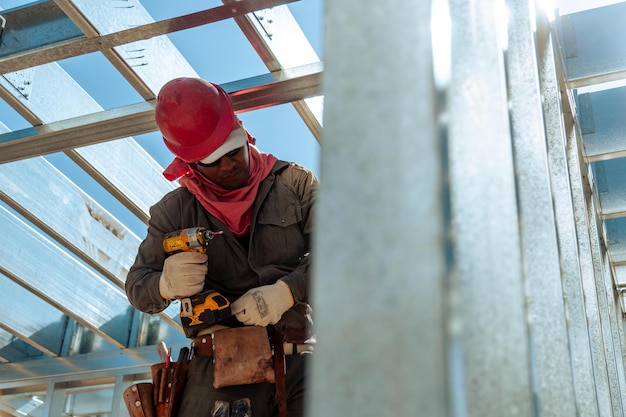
(138, 399)
(168, 380)
(242, 355)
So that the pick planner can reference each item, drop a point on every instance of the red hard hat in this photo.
(194, 116)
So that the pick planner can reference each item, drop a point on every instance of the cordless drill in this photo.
(192, 239)
(202, 310)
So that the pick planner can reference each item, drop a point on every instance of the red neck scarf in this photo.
(232, 207)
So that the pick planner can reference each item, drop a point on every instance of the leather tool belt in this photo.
(203, 346)
(241, 355)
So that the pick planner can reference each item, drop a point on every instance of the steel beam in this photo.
(277, 38)
(81, 370)
(36, 26)
(601, 115)
(15, 60)
(258, 92)
(593, 47)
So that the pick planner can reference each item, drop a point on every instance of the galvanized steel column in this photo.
(548, 338)
(588, 285)
(379, 256)
(613, 339)
(604, 304)
(488, 276)
(563, 166)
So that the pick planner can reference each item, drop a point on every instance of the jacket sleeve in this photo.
(307, 185)
(142, 281)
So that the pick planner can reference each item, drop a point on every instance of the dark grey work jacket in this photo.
(279, 244)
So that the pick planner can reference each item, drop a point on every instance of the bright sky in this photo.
(572, 6)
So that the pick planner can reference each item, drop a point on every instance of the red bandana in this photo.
(232, 207)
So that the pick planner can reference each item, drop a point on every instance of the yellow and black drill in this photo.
(192, 239)
(202, 310)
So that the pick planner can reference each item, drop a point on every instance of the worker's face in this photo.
(231, 171)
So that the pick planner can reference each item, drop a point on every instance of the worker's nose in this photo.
(226, 163)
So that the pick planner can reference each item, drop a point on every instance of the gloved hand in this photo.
(183, 275)
(263, 305)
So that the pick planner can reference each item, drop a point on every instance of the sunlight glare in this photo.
(502, 24)
(441, 38)
(547, 7)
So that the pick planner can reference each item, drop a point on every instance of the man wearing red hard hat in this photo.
(259, 210)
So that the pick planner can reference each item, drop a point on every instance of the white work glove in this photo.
(183, 275)
(263, 305)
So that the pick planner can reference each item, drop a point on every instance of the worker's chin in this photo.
(234, 182)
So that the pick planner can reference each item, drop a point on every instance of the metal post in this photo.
(493, 328)
(551, 363)
(590, 300)
(604, 304)
(380, 255)
(567, 191)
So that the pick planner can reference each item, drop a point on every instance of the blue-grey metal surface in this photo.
(610, 186)
(603, 123)
(13, 348)
(39, 324)
(36, 26)
(36, 263)
(593, 44)
(616, 232)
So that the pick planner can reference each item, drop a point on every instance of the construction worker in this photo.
(260, 262)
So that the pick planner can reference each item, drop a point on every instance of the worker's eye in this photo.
(233, 152)
(230, 154)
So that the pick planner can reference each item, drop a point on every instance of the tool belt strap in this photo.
(203, 346)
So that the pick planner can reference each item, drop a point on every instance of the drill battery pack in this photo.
(203, 310)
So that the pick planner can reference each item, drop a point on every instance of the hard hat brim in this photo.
(236, 139)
